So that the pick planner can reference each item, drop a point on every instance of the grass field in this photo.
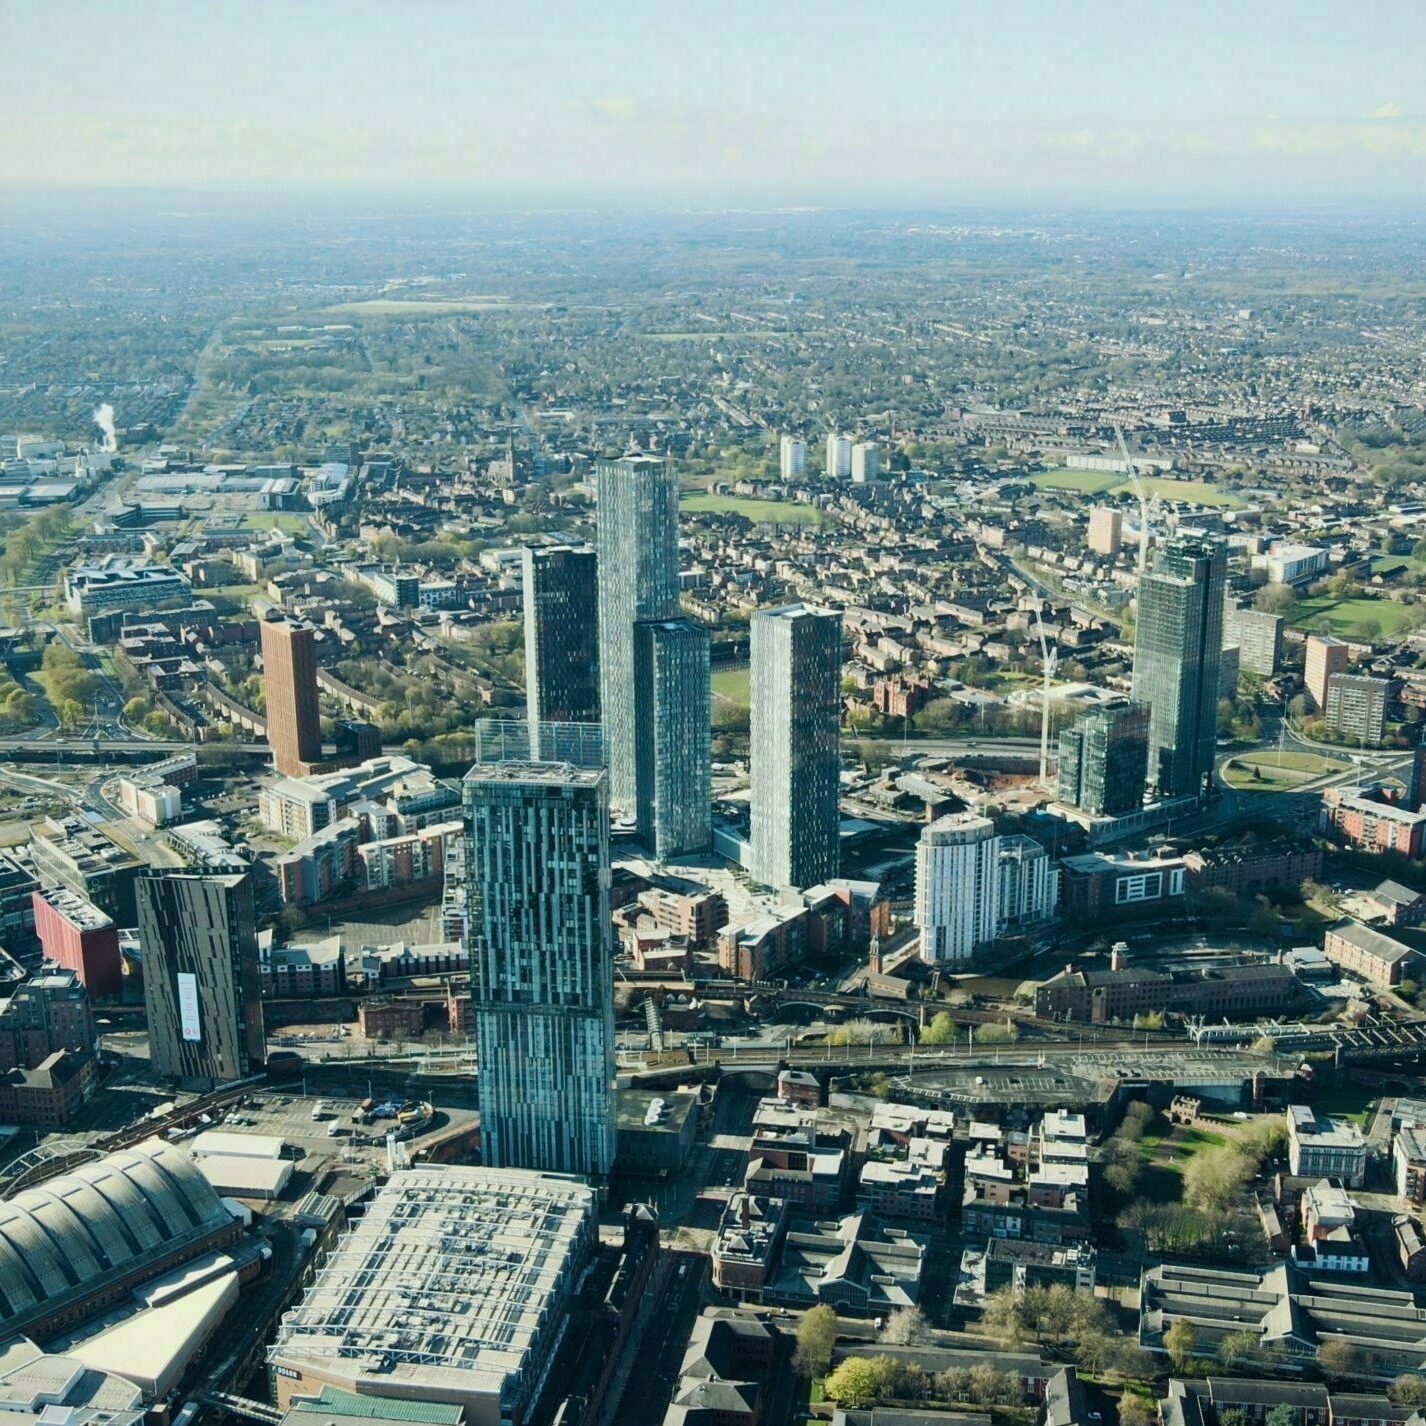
(288, 520)
(732, 685)
(415, 307)
(1350, 618)
(1277, 771)
(1094, 482)
(1087, 482)
(785, 512)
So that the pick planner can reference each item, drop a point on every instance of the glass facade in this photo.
(637, 531)
(1104, 757)
(1177, 642)
(541, 965)
(673, 755)
(561, 638)
(796, 755)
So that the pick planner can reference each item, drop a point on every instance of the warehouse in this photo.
(454, 1286)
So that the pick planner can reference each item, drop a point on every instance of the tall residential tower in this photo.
(561, 638)
(796, 761)
(541, 965)
(289, 667)
(1178, 640)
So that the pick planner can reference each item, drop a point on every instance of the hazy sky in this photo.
(780, 100)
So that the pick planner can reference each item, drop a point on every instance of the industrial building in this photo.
(453, 1286)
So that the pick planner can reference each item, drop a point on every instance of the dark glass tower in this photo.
(1104, 757)
(561, 638)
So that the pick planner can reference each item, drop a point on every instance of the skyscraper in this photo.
(839, 457)
(202, 984)
(792, 458)
(957, 887)
(1177, 642)
(673, 757)
(541, 965)
(796, 759)
(653, 664)
(1104, 758)
(637, 525)
(289, 667)
(561, 638)
(1106, 530)
(1028, 884)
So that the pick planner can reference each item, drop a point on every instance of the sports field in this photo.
(1096, 482)
(784, 512)
(1351, 618)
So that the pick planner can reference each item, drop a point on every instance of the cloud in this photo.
(1387, 111)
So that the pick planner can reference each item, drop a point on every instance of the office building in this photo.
(1258, 636)
(1104, 758)
(866, 462)
(202, 980)
(839, 457)
(795, 750)
(1319, 1147)
(73, 852)
(957, 887)
(76, 934)
(561, 638)
(50, 1012)
(1356, 707)
(123, 582)
(672, 737)
(638, 580)
(454, 1286)
(792, 458)
(1294, 564)
(1106, 530)
(1324, 657)
(289, 668)
(541, 965)
(1177, 645)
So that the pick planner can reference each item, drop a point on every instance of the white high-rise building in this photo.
(866, 462)
(957, 887)
(1029, 884)
(839, 457)
(792, 458)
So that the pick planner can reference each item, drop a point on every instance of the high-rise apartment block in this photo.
(957, 887)
(76, 934)
(1258, 636)
(202, 978)
(1104, 758)
(792, 458)
(561, 587)
(1324, 657)
(673, 755)
(1356, 707)
(1028, 884)
(839, 457)
(289, 668)
(866, 462)
(795, 745)
(541, 965)
(653, 664)
(1178, 642)
(1106, 530)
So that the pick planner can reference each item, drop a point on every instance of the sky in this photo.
(1193, 102)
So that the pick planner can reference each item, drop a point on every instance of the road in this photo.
(660, 1353)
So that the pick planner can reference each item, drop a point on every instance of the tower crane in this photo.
(1142, 498)
(1049, 655)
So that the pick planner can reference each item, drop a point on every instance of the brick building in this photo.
(1371, 819)
(76, 935)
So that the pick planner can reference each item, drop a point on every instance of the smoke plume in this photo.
(104, 419)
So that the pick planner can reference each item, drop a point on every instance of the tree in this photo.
(1408, 1389)
(1237, 1347)
(907, 1327)
(1003, 1315)
(1135, 1411)
(941, 1030)
(1178, 1343)
(816, 1336)
(1338, 1359)
(860, 1381)
(1215, 1177)
(996, 1033)
(1275, 599)
(1281, 1415)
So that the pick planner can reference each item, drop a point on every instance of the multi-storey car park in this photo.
(454, 1286)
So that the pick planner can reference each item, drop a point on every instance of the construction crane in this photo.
(1142, 498)
(1049, 655)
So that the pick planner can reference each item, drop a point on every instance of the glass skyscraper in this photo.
(796, 760)
(1177, 643)
(1104, 759)
(541, 965)
(561, 638)
(672, 737)
(653, 664)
